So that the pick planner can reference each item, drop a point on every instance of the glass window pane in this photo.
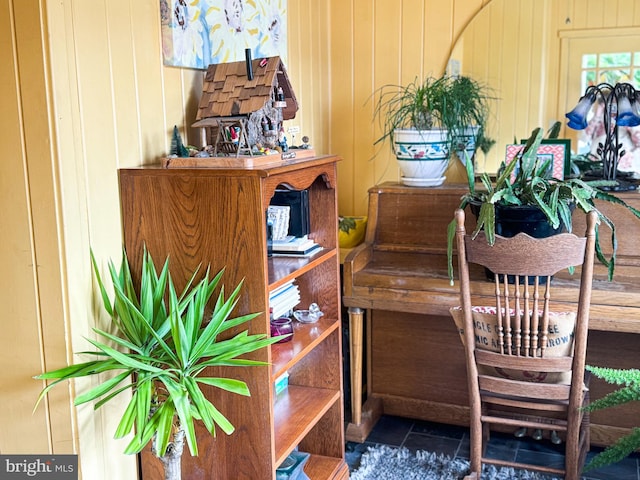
(615, 59)
(589, 61)
(614, 76)
(588, 78)
(636, 58)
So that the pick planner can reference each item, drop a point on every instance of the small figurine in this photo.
(282, 141)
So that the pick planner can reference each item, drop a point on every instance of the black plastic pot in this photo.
(529, 219)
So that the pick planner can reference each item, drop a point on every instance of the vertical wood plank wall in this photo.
(374, 43)
(84, 92)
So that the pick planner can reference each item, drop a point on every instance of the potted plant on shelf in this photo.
(524, 186)
(351, 230)
(426, 120)
(161, 353)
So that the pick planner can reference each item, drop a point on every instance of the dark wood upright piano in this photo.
(397, 282)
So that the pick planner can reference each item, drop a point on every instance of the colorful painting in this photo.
(197, 33)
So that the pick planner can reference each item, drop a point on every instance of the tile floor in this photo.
(454, 441)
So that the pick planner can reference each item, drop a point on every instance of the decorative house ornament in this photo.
(242, 116)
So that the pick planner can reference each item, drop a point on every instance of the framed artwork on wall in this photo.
(197, 33)
(558, 150)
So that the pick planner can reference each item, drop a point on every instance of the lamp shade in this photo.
(578, 116)
(626, 116)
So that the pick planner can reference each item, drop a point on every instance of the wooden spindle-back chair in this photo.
(526, 362)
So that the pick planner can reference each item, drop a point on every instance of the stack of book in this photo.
(284, 299)
(295, 246)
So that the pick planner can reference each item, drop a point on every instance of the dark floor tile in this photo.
(431, 443)
(454, 441)
(504, 440)
(554, 460)
(500, 452)
(390, 430)
(439, 429)
(541, 446)
(464, 450)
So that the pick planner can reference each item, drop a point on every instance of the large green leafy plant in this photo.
(525, 181)
(162, 345)
(629, 379)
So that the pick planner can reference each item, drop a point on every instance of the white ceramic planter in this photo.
(423, 156)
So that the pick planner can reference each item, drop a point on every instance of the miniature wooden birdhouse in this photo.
(243, 105)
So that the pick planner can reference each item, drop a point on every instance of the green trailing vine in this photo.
(629, 379)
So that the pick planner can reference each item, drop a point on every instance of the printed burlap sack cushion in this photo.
(559, 341)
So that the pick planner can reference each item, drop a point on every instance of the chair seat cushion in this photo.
(559, 342)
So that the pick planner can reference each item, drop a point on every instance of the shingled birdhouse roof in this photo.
(228, 92)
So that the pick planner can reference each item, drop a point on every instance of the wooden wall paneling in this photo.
(493, 67)
(438, 28)
(370, 162)
(532, 17)
(499, 19)
(387, 65)
(578, 13)
(390, 45)
(343, 99)
(320, 55)
(636, 13)
(149, 79)
(412, 41)
(595, 13)
(514, 67)
(555, 19)
(21, 320)
(97, 127)
(303, 63)
(92, 430)
(312, 56)
(126, 108)
(48, 325)
(461, 14)
(609, 13)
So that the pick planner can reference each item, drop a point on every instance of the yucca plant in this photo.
(162, 345)
(525, 181)
(628, 392)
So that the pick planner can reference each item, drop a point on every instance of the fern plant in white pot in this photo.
(429, 119)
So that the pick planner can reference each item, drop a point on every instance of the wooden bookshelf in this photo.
(216, 217)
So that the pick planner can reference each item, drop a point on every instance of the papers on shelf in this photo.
(298, 246)
(279, 218)
(284, 299)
